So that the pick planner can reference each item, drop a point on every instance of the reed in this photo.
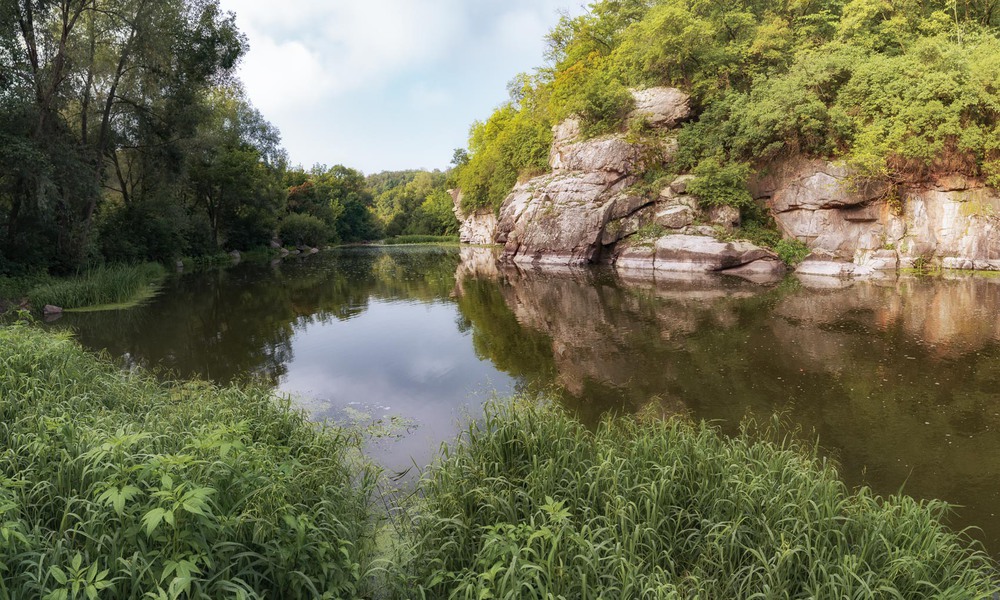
(531, 504)
(421, 239)
(116, 486)
(103, 286)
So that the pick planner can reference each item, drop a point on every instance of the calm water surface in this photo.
(900, 380)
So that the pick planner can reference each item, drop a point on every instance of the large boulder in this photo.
(558, 218)
(610, 155)
(697, 254)
(661, 107)
(585, 211)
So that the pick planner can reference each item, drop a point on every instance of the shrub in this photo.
(532, 503)
(719, 183)
(603, 103)
(301, 229)
(512, 141)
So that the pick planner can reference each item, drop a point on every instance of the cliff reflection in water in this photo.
(899, 379)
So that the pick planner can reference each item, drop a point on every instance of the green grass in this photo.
(421, 239)
(533, 505)
(106, 286)
(115, 486)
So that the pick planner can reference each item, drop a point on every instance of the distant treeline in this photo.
(126, 136)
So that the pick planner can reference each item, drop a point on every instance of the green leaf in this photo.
(152, 520)
(58, 574)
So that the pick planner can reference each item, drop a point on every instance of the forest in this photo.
(126, 136)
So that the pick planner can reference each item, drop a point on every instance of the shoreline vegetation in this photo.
(114, 484)
(401, 240)
(109, 286)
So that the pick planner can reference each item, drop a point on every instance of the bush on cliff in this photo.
(901, 90)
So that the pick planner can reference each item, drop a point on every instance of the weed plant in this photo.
(116, 486)
(531, 504)
(105, 285)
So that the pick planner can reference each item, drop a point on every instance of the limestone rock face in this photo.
(800, 184)
(558, 218)
(477, 227)
(952, 222)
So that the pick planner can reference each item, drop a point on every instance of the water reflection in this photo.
(898, 379)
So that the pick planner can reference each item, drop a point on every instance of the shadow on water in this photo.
(900, 380)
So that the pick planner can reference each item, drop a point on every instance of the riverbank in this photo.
(700, 511)
(110, 287)
(101, 288)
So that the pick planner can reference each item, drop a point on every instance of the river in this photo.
(899, 380)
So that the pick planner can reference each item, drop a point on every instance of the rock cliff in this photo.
(869, 229)
(587, 210)
(477, 227)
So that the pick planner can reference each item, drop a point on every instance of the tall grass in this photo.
(533, 505)
(105, 285)
(116, 486)
(421, 239)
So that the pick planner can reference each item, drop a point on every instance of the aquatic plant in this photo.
(533, 504)
(104, 285)
(114, 485)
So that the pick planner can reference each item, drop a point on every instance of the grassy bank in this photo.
(532, 504)
(102, 287)
(119, 486)
(116, 485)
(421, 239)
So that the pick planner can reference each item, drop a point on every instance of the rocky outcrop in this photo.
(587, 209)
(868, 229)
(477, 227)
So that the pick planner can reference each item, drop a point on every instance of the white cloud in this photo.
(284, 75)
(352, 80)
(304, 50)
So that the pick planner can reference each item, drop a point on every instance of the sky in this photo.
(386, 84)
